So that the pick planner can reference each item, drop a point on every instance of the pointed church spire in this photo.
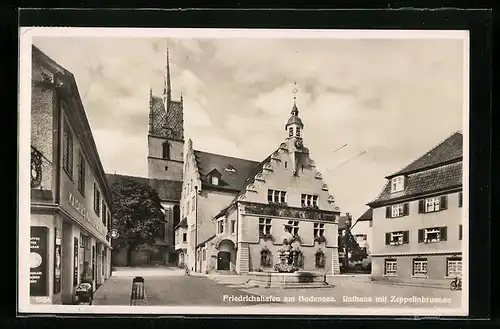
(167, 89)
(295, 110)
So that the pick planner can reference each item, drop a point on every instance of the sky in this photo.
(390, 100)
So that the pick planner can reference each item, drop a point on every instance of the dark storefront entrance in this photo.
(223, 260)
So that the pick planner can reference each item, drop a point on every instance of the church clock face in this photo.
(298, 143)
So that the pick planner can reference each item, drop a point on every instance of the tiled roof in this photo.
(167, 190)
(232, 180)
(447, 151)
(424, 182)
(182, 223)
(367, 216)
(159, 116)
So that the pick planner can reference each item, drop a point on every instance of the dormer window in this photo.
(397, 184)
(297, 131)
(214, 180)
(230, 169)
(214, 177)
(290, 132)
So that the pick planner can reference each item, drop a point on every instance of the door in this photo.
(223, 260)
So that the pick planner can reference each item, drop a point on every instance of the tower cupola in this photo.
(294, 124)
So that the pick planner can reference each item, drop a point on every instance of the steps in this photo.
(243, 258)
(335, 261)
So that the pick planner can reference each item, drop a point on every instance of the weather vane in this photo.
(295, 91)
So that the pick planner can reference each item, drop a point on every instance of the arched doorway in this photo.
(226, 255)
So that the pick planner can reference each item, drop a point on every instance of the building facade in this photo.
(238, 212)
(70, 197)
(362, 230)
(418, 219)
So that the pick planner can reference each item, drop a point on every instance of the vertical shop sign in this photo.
(75, 261)
(57, 261)
(38, 261)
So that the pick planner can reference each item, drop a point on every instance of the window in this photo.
(233, 226)
(192, 203)
(108, 221)
(97, 200)
(290, 132)
(166, 168)
(460, 199)
(454, 266)
(460, 232)
(397, 184)
(204, 253)
(264, 226)
(187, 208)
(434, 234)
(420, 267)
(293, 226)
(432, 204)
(308, 200)
(68, 150)
(286, 164)
(104, 212)
(166, 150)
(214, 180)
(191, 185)
(81, 175)
(397, 238)
(230, 169)
(276, 196)
(297, 132)
(220, 225)
(360, 237)
(397, 210)
(391, 267)
(319, 229)
(184, 237)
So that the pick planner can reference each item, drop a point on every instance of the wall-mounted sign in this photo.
(75, 261)
(57, 261)
(38, 261)
(80, 209)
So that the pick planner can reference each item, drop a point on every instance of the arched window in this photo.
(166, 150)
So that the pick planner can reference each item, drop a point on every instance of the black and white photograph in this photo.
(198, 171)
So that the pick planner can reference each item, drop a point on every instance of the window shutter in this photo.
(443, 236)
(406, 209)
(460, 199)
(420, 235)
(388, 212)
(459, 232)
(421, 206)
(406, 237)
(387, 239)
(443, 202)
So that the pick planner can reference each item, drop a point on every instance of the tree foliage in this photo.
(355, 252)
(136, 215)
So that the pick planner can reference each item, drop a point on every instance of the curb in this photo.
(410, 285)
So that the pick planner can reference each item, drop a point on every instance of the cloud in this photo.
(394, 99)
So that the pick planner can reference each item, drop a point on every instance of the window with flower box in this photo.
(293, 226)
(433, 204)
(397, 210)
(397, 238)
(276, 196)
(432, 235)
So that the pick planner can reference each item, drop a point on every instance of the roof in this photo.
(182, 223)
(449, 150)
(230, 179)
(167, 190)
(367, 216)
(206, 240)
(425, 182)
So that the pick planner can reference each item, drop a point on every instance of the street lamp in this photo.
(113, 233)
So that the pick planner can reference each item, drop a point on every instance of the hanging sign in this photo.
(38, 261)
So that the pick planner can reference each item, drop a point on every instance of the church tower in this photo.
(166, 132)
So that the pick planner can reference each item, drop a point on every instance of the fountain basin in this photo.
(298, 280)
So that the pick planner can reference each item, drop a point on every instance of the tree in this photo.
(136, 216)
(355, 252)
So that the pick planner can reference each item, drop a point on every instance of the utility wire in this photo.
(353, 158)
